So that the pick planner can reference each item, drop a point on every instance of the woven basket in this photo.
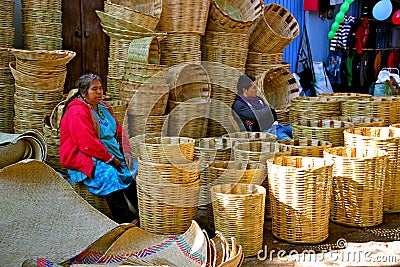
(42, 42)
(7, 108)
(141, 124)
(259, 151)
(327, 130)
(361, 121)
(346, 96)
(275, 29)
(189, 118)
(7, 36)
(187, 81)
(179, 48)
(156, 173)
(239, 212)
(118, 22)
(306, 147)
(258, 69)
(233, 16)
(300, 194)
(41, 15)
(233, 57)
(387, 139)
(264, 58)
(7, 14)
(314, 108)
(167, 208)
(119, 107)
(283, 116)
(44, 57)
(277, 84)
(387, 108)
(145, 73)
(241, 137)
(165, 150)
(53, 29)
(135, 142)
(145, 102)
(358, 185)
(144, 50)
(151, 7)
(52, 137)
(183, 16)
(142, 19)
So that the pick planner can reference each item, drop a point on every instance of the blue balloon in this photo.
(339, 17)
(382, 10)
(344, 7)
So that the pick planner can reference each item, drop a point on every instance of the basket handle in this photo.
(53, 112)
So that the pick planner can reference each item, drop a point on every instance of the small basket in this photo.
(241, 137)
(275, 29)
(300, 190)
(314, 108)
(239, 212)
(144, 50)
(259, 151)
(306, 147)
(178, 48)
(165, 150)
(358, 185)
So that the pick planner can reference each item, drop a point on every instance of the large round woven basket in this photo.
(275, 29)
(259, 151)
(134, 142)
(233, 16)
(300, 194)
(241, 137)
(387, 139)
(179, 48)
(149, 102)
(307, 147)
(141, 124)
(358, 185)
(7, 104)
(314, 108)
(239, 212)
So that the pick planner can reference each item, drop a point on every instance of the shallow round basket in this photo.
(241, 137)
(259, 151)
(300, 195)
(314, 108)
(44, 58)
(121, 23)
(167, 150)
(306, 147)
(179, 48)
(358, 185)
(233, 16)
(167, 208)
(274, 30)
(145, 50)
(151, 7)
(277, 84)
(361, 121)
(239, 212)
(387, 139)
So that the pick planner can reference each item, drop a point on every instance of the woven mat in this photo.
(42, 216)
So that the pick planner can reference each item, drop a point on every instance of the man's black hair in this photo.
(244, 81)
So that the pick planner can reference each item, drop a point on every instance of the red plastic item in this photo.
(311, 5)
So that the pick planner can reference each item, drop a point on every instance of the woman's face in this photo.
(252, 91)
(94, 93)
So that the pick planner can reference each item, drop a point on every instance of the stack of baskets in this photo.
(168, 184)
(6, 78)
(39, 84)
(184, 22)
(42, 24)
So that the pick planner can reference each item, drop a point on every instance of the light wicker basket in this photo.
(147, 102)
(314, 108)
(151, 7)
(141, 124)
(119, 107)
(258, 69)
(145, 73)
(277, 84)
(42, 42)
(178, 48)
(233, 16)
(119, 22)
(327, 130)
(264, 58)
(307, 147)
(300, 194)
(134, 142)
(233, 57)
(239, 212)
(166, 208)
(259, 151)
(358, 185)
(275, 29)
(361, 121)
(164, 150)
(52, 137)
(241, 137)
(144, 50)
(387, 139)
(43, 58)
(7, 104)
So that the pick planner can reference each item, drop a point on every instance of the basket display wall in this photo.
(314, 108)
(358, 183)
(239, 212)
(259, 151)
(300, 194)
(387, 139)
(306, 147)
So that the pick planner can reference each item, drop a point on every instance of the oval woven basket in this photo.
(259, 151)
(118, 22)
(358, 185)
(275, 29)
(240, 137)
(300, 194)
(387, 139)
(144, 50)
(44, 56)
(233, 16)
(307, 147)
(151, 7)
(314, 108)
(239, 212)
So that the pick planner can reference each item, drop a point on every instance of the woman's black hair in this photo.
(244, 81)
(83, 83)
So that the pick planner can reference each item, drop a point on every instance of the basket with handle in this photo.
(387, 139)
(274, 29)
(300, 190)
(306, 147)
(239, 212)
(358, 185)
(242, 137)
(314, 108)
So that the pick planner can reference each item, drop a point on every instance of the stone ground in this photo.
(373, 246)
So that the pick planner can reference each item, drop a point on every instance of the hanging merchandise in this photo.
(362, 35)
(382, 10)
(333, 66)
(322, 84)
(304, 65)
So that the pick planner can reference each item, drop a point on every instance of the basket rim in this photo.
(381, 153)
(233, 19)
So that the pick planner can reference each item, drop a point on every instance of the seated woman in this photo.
(95, 149)
(254, 114)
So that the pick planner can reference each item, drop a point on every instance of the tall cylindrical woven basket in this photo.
(314, 108)
(306, 147)
(387, 139)
(300, 194)
(239, 212)
(358, 183)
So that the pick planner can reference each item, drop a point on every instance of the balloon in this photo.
(335, 26)
(344, 7)
(382, 10)
(331, 34)
(339, 17)
(396, 17)
(349, 1)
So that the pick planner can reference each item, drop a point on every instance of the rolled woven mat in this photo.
(42, 216)
(15, 147)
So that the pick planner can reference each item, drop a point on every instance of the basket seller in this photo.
(95, 149)
(253, 114)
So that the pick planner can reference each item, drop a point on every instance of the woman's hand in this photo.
(116, 164)
(249, 122)
(129, 160)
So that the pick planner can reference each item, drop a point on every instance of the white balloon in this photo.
(382, 10)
